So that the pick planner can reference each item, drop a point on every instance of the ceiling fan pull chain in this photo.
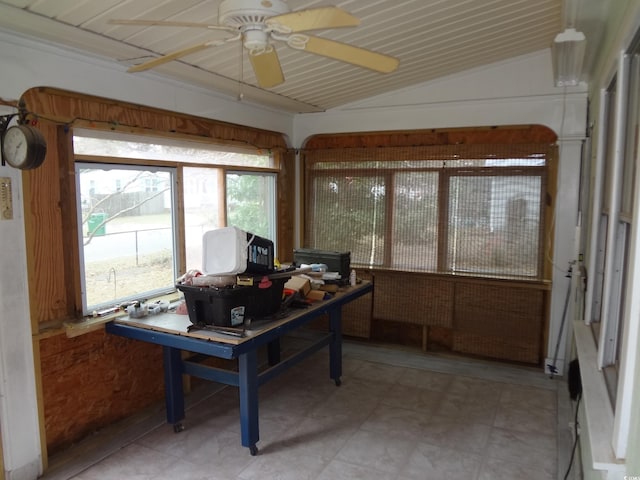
(241, 79)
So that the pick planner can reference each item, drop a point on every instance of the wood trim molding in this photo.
(76, 109)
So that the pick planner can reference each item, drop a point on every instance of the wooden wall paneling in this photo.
(286, 205)
(67, 107)
(552, 182)
(46, 240)
(69, 215)
(182, 258)
(454, 136)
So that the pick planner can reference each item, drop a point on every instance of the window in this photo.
(128, 232)
(614, 238)
(145, 204)
(442, 213)
(613, 232)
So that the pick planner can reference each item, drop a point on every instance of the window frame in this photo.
(614, 244)
(178, 166)
(173, 181)
(445, 174)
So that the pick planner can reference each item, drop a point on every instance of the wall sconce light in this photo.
(567, 54)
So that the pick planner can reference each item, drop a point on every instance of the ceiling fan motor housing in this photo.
(241, 14)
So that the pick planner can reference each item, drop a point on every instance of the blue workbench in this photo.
(172, 332)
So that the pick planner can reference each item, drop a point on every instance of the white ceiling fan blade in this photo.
(350, 54)
(314, 19)
(267, 68)
(169, 57)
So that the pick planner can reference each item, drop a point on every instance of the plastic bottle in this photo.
(352, 278)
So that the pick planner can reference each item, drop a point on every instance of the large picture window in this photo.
(483, 215)
(144, 204)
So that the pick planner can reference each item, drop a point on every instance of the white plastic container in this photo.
(230, 250)
(224, 251)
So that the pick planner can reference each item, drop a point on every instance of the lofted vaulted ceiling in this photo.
(430, 38)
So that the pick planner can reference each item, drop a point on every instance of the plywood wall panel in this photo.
(93, 380)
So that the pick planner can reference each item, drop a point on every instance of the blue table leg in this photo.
(173, 391)
(335, 346)
(273, 352)
(248, 386)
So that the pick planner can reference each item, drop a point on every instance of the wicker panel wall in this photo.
(499, 321)
(503, 348)
(503, 311)
(412, 298)
(356, 317)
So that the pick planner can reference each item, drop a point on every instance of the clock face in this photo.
(14, 146)
(23, 147)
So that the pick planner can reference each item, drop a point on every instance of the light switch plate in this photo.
(6, 200)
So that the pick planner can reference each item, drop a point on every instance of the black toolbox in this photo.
(231, 306)
(335, 261)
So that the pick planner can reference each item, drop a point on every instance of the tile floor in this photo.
(398, 415)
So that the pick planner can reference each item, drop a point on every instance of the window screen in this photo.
(452, 209)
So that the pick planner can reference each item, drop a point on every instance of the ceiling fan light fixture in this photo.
(256, 40)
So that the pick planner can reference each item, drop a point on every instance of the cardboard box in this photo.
(315, 295)
(299, 284)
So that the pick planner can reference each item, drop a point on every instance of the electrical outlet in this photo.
(6, 200)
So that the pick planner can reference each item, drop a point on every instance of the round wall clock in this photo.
(23, 147)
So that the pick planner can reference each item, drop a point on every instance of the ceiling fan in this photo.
(257, 23)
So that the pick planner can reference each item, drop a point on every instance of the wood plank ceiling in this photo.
(431, 38)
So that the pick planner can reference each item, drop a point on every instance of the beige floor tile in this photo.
(339, 470)
(412, 398)
(378, 372)
(528, 397)
(523, 419)
(494, 469)
(379, 452)
(533, 450)
(457, 435)
(325, 436)
(426, 379)
(397, 422)
(432, 462)
(392, 419)
(131, 462)
(305, 465)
